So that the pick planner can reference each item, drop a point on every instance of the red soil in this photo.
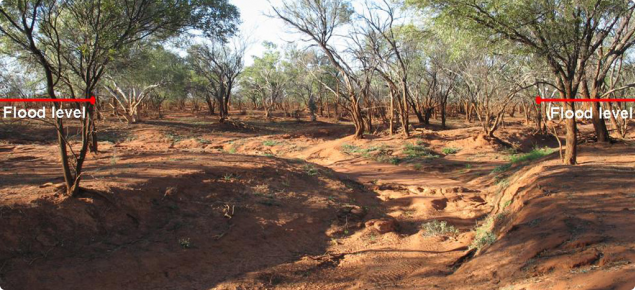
(187, 203)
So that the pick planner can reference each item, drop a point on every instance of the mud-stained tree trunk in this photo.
(405, 118)
(392, 112)
(567, 91)
(601, 132)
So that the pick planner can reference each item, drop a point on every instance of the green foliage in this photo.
(438, 228)
(311, 170)
(502, 168)
(378, 153)
(173, 137)
(350, 149)
(506, 204)
(536, 153)
(263, 82)
(271, 143)
(418, 152)
(149, 65)
(203, 140)
(450, 150)
(484, 234)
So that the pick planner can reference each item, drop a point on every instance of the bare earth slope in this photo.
(186, 203)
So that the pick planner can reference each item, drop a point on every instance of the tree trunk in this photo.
(210, 105)
(392, 113)
(405, 120)
(443, 115)
(601, 132)
(358, 119)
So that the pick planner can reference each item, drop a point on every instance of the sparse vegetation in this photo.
(450, 150)
(438, 228)
(417, 151)
(113, 159)
(502, 168)
(311, 170)
(176, 138)
(271, 143)
(185, 243)
(387, 127)
(203, 141)
(350, 149)
(484, 235)
(534, 154)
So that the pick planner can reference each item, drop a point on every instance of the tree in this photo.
(147, 69)
(566, 34)
(266, 79)
(301, 66)
(221, 64)
(319, 20)
(74, 41)
(492, 83)
(381, 21)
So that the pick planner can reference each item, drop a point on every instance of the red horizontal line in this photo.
(91, 100)
(541, 100)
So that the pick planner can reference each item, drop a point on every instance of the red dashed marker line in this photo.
(90, 100)
(540, 100)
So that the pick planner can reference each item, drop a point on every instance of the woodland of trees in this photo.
(378, 64)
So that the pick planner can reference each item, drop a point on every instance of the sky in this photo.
(259, 28)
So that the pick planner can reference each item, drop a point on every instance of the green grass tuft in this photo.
(536, 153)
(418, 152)
(271, 143)
(311, 170)
(438, 228)
(450, 150)
(502, 168)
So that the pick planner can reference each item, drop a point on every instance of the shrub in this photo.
(450, 150)
(437, 228)
(311, 170)
(484, 235)
(502, 168)
(483, 240)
